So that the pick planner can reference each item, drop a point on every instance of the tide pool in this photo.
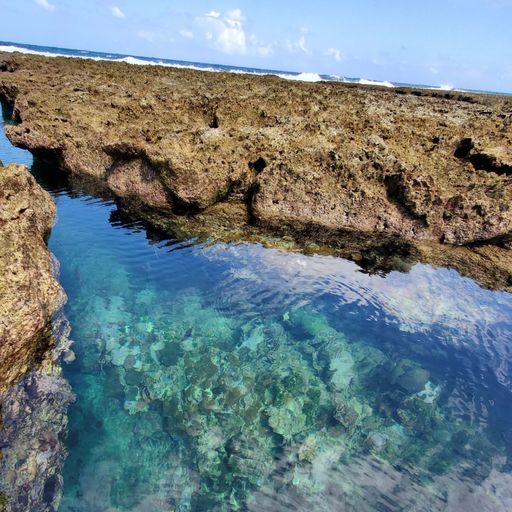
(234, 377)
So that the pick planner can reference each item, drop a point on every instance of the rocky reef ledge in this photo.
(29, 292)
(33, 332)
(374, 175)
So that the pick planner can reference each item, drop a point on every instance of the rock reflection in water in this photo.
(232, 377)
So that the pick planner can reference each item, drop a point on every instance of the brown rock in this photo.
(344, 166)
(29, 292)
(33, 436)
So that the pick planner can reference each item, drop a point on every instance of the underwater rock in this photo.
(413, 380)
(376, 441)
(29, 291)
(350, 412)
(170, 354)
(410, 377)
(251, 458)
(34, 412)
(420, 416)
(254, 337)
(69, 356)
(308, 450)
(225, 406)
(310, 323)
(287, 420)
(429, 393)
(210, 449)
(341, 363)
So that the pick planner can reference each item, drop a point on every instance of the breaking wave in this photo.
(364, 81)
(304, 77)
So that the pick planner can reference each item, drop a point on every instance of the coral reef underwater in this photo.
(197, 400)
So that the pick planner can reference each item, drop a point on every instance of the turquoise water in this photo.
(234, 377)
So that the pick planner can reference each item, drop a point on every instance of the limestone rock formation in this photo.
(29, 292)
(327, 163)
(34, 428)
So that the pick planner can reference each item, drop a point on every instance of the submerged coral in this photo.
(209, 394)
(216, 404)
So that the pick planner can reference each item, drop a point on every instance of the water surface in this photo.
(234, 377)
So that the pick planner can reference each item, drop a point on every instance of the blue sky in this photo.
(462, 43)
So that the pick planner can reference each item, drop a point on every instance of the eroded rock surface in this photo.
(29, 292)
(33, 332)
(33, 433)
(326, 162)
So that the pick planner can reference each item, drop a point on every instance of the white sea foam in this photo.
(137, 62)
(303, 77)
(446, 87)
(12, 49)
(128, 60)
(140, 62)
(364, 81)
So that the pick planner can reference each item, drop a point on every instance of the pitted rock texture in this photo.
(324, 162)
(33, 433)
(29, 292)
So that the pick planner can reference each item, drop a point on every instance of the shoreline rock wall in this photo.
(34, 396)
(342, 166)
(33, 332)
(33, 432)
(29, 293)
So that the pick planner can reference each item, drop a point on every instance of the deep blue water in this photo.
(234, 377)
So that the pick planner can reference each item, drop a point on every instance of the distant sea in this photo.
(48, 51)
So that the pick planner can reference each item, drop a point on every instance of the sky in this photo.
(458, 43)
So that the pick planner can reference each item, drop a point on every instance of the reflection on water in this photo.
(233, 377)
(247, 378)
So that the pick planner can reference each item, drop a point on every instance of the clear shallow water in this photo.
(233, 377)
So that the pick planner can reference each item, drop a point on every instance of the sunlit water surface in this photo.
(233, 377)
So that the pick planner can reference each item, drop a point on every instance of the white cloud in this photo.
(263, 49)
(298, 46)
(226, 32)
(45, 5)
(335, 54)
(187, 34)
(234, 16)
(116, 12)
